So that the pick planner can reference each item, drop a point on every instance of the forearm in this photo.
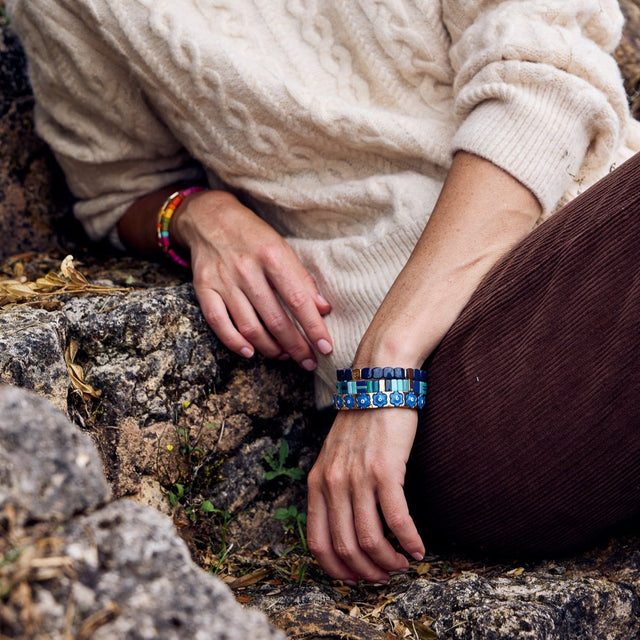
(482, 212)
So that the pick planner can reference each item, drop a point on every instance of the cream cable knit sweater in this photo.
(337, 119)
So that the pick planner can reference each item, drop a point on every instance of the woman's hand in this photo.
(481, 213)
(361, 467)
(246, 277)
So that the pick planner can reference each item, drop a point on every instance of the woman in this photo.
(366, 165)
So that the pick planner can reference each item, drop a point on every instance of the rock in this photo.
(119, 572)
(147, 352)
(49, 470)
(35, 207)
(536, 606)
(628, 53)
(130, 556)
(32, 344)
(590, 597)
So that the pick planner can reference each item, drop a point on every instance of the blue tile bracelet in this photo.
(380, 387)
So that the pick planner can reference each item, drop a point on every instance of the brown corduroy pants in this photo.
(530, 441)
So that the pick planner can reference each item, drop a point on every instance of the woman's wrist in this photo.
(199, 211)
(405, 330)
(165, 216)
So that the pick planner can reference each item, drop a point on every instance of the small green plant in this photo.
(187, 445)
(225, 549)
(277, 467)
(190, 468)
(293, 520)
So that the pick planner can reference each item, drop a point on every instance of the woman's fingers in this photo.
(255, 319)
(279, 324)
(298, 292)
(361, 467)
(342, 526)
(345, 532)
(242, 335)
(396, 514)
(239, 260)
(370, 532)
(319, 537)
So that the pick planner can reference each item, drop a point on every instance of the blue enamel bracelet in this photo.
(380, 387)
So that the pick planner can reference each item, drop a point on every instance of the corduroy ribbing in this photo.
(530, 441)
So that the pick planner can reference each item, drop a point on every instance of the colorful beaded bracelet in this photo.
(379, 400)
(379, 387)
(164, 219)
(380, 373)
(404, 385)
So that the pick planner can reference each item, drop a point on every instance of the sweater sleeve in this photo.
(536, 89)
(105, 135)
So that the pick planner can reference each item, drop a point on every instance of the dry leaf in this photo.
(96, 620)
(515, 573)
(423, 631)
(400, 629)
(380, 608)
(68, 281)
(249, 579)
(414, 629)
(71, 273)
(76, 373)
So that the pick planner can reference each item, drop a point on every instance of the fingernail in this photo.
(350, 583)
(324, 347)
(323, 300)
(381, 583)
(246, 352)
(308, 364)
(418, 556)
(284, 356)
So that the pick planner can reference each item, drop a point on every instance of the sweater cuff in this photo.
(537, 135)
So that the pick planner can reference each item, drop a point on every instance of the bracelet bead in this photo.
(379, 387)
(379, 400)
(381, 373)
(164, 219)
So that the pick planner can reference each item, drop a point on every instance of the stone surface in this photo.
(48, 470)
(131, 556)
(147, 352)
(118, 572)
(35, 207)
(536, 606)
(32, 344)
(592, 597)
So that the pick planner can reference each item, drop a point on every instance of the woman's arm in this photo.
(239, 265)
(482, 212)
